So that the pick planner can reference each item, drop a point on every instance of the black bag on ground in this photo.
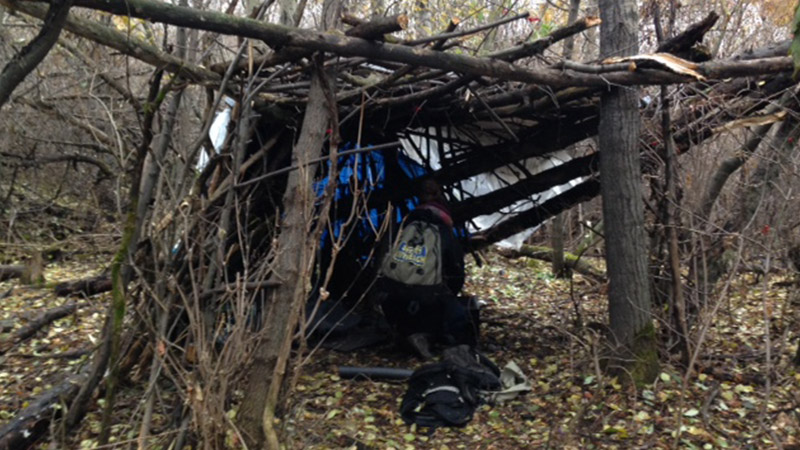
(446, 394)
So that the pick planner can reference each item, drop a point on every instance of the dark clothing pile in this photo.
(446, 394)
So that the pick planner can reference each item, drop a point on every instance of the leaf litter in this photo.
(529, 318)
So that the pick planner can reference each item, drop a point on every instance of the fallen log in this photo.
(546, 254)
(32, 422)
(69, 354)
(43, 319)
(8, 272)
(37, 324)
(85, 287)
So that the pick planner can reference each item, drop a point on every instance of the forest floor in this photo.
(739, 396)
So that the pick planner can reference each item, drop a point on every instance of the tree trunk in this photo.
(716, 259)
(121, 274)
(766, 174)
(623, 213)
(559, 269)
(295, 251)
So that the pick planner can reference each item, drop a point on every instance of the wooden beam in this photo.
(540, 182)
(535, 216)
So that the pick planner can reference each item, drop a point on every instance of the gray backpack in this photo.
(416, 257)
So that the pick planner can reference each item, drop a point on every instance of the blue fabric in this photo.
(368, 169)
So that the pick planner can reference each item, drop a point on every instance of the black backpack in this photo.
(445, 394)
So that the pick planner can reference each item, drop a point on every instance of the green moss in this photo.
(645, 366)
(638, 364)
(536, 265)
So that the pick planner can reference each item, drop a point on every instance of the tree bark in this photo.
(32, 54)
(623, 212)
(264, 377)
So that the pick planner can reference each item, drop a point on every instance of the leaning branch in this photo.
(526, 188)
(374, 29)
(121, 42)
(278, 36)
(32, 54)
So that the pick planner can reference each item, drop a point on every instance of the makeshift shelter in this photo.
(509, 154)
(503, 139)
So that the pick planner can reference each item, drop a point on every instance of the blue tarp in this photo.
(367, 171)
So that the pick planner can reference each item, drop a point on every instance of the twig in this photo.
(445, 36)
(494, 115)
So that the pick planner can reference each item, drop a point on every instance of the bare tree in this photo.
(623, 214)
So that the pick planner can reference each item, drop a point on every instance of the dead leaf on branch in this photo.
(664, 61)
